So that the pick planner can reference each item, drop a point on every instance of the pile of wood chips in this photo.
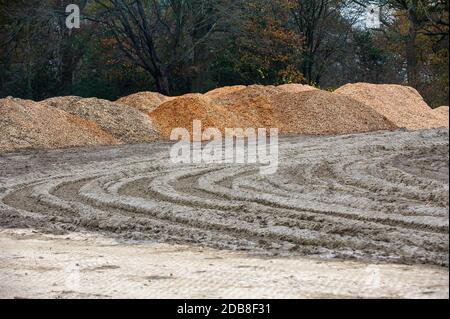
(442, 110)
(144, 101)
(148, 116)
(124, 123)
(402, 105)
(28, 124)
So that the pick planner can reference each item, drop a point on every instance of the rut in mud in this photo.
(376, 196)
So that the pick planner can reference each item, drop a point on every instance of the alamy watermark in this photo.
(236, 145)
(73, 19)
(373, 12)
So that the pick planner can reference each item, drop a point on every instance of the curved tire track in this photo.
(380, 196)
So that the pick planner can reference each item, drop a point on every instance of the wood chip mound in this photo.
(296, 88)
(253, 105)
(402, 105)
(300, 109)
(318, 112)
(61, 101)
(124, 123)
(291, 87)
(144, 101)
(148, 116)
(182, 111)
(442, 110)
(224, 90)
(292, 109)
(28, 124)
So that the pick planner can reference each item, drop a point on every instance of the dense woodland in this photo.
(179, 46)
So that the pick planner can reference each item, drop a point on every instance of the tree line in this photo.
(180, 46)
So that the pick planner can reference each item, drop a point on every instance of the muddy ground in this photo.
(380, 197)
(79, 265)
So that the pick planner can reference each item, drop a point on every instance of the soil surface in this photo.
(80, 265)
(376, 197)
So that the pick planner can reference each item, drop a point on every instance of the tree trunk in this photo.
(162, 83)
(307, 68)
(68, 66)
(29, 64)
(411, 53)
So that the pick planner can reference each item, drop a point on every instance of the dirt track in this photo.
(379, 197)
(79, 265)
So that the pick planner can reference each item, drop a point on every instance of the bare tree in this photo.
(325, 30)
(158, 35)
(429, 17)
(29, 25)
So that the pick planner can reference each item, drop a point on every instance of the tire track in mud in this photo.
(379, 197)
